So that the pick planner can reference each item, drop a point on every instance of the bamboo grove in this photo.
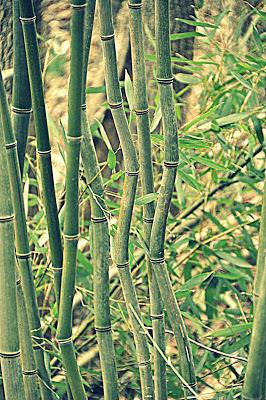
(26, 365)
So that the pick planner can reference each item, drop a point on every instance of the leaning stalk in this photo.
(43, 145)
(22, 243)
(120, 254)
(143, 129)
(165, 81)
(100, 235)
(71, 223)
(21, 98)
(9, 337)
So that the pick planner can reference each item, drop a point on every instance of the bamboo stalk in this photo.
(21, 98)
(9, 338)
(71, 223)
(120, 253)
(165, 82)
(22, 242)
(2, 393)
(146, 175)
(43, 145)
(100, 235)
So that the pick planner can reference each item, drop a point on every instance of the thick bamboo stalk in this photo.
(21, 98)
(146, 175)
(71, 223)
(100, 235)
(165, 82)
(22, 242)
(43, 145)
(120, 253)
(9, 338)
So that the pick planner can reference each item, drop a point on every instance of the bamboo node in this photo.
(135, 6)
(116, 106)
(55, 269)
(191, 385)
(74, 138)
(103, 329)
(64, 341)
(105, 38)
(123, 265)
(30, 373)
(98, 220)
(156, 316)
(157, 260)
(18, 110)
(84, 106)
(7, 218)
(171, 164)
(11, 145)
(78, 6)
(38, 346)
(142, 112)
(28, 20)
(144, 363)
(148, 220)
(132, 173)
(10, 354)
(165, 81)
(71, 237)
(23, 256)
(44, 152)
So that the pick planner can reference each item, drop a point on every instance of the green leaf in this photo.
(240, 79)
(96, 89)
(104, 136)
(111, 159)
(185, 35)
(197, 23)
(129, 91)
(233, 330)
(147, 198)
(188, 78)
(240, 262)
(190, 180)
(209, 163)
(228, 119)
(156, 118)
(188, 143)
(196, 280)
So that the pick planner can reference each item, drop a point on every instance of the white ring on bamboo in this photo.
(84, 106)
(98, 220)
(148, 220)
(44, 152)
(165, 81)
(156, 316)
(103, 329)
(29, 373)
(116, 106)
(122, 265)
(105, 38)
(65, 341)
(28, 20)
(11, 145)
(142, 112)
(7, 218)
(132, 173)
(23, 255)
(157, 260)
(18, 110)
(71, 237)
(135, 6)
(37, 346)
(171, 164)
(77, 6)
(74, 138)
(10, 354)
(55, 268)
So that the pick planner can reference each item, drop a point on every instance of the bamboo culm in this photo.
(146, 176)
(9, 338)
(22, 243)
(21, 97)
(43, 145)
(100, 234)
(165, 82)
(120, 251)
(71, 222)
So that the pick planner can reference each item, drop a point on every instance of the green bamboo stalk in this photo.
(143, 128)
(22, 243)
(71, 223)
(43, 145)
(21, 98)
(100, 235)
(120, 253)
(165, 81)
(9, 338)
(29, 371)
(2, 393)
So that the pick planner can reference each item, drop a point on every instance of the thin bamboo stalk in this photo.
(165, 82)
(2, 393)
(120, 252)
(143, 128)
(71, 223)
(21, 98)
(9, 338)
(100, 235)
(22, 243)
(43, 145)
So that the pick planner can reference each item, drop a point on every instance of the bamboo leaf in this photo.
(240, 262)
(104, 136)
(233, 330)
(209, 163)
(196, 280)
(146, 199)
(111, 159)
(197, 23)
(185, 35)
(240, 79)
(190, 180)
(188, 78)
(129, 91)
(156, 118)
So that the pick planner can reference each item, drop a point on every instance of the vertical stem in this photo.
(101, 239)
(165, 81)
(22, 243)
(21, 98)
(71, 223)
(9, 338)
(43, 145)
(120, 255)
(143, 129)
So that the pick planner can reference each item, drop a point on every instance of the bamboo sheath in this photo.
(22, 243)
(71, 223)
(43, 145)
(146, 175)
(165, 82)
(120, 252)
(100, 235)
(9, 338)
(21, 98)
